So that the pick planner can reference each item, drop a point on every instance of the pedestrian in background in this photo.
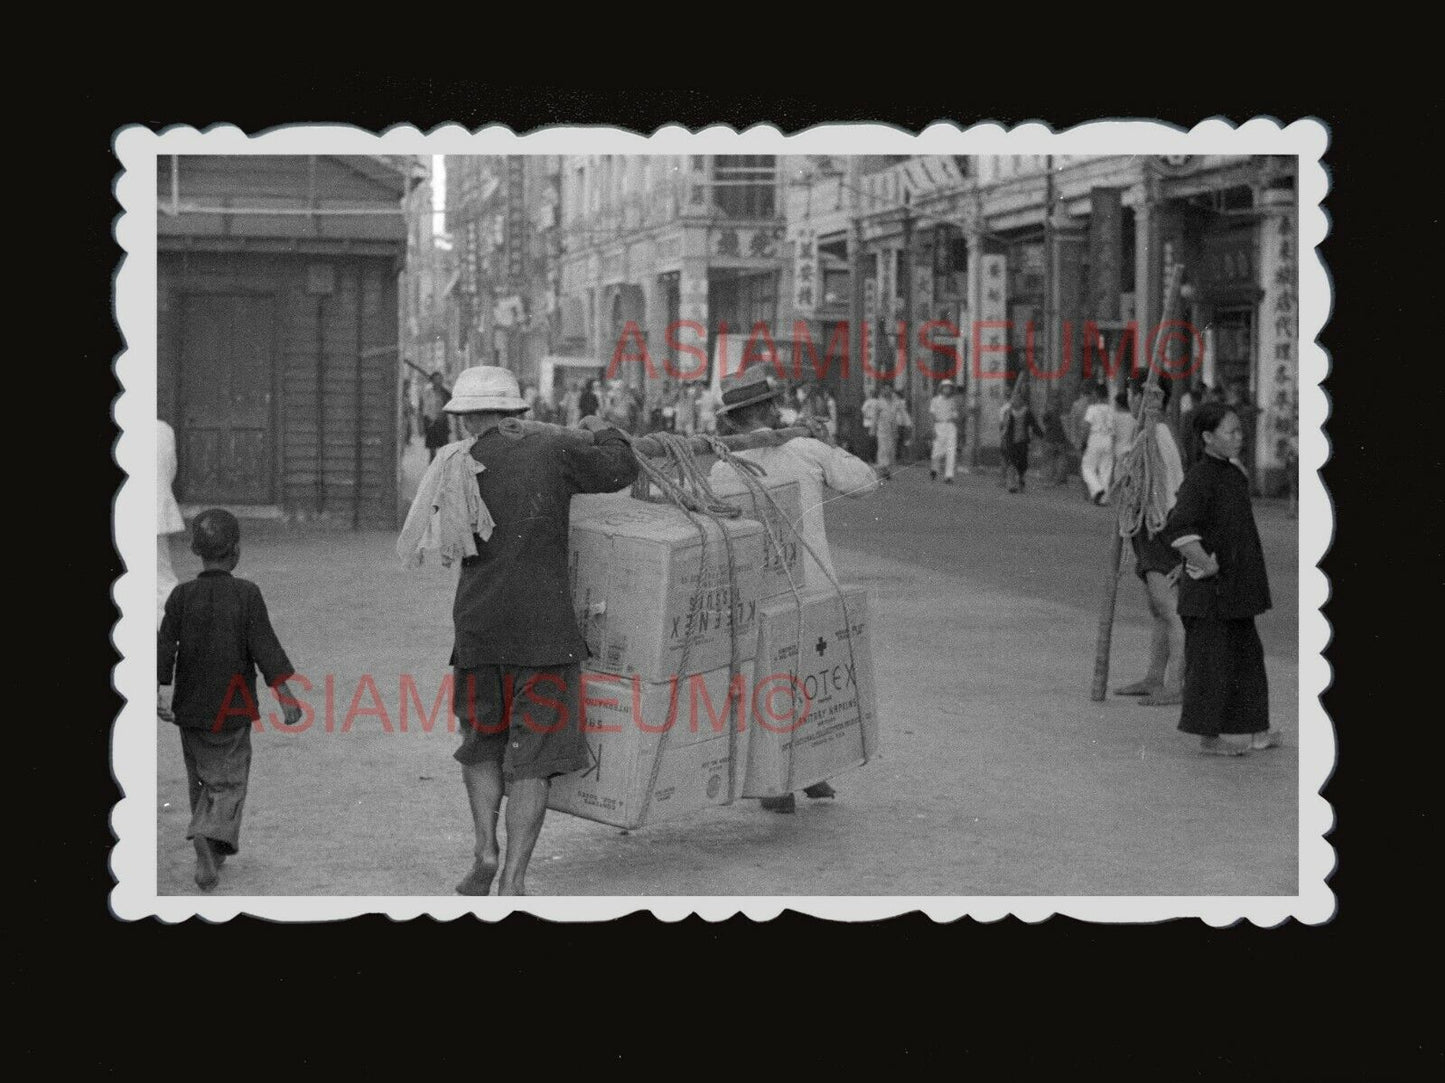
(869, 413)
(1098, 465)
(1224, 587)
(686, 419)
(707, 404)
(408, 410)
(588, 402)
(943, 409)
(1124, 428)
(1056, 445)
(436, 424)
(890, 420)
(570, 409)
(215, 634)
(1019, 427)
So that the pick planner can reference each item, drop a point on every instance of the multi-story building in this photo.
(426, 282)
(1048, 266)
(502, 219)
(678, 257)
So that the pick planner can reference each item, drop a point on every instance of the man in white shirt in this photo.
(822, 472)
(1098, 465)
(943, 408)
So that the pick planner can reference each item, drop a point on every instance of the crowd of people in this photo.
(1082, 443)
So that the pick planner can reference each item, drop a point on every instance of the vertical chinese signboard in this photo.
(1278, 395)
(991, 359)
(805, 274)
(516, 226)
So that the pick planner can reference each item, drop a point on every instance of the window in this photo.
(745, 185)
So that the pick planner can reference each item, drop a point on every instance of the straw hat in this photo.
(485, 387)
(744, 389)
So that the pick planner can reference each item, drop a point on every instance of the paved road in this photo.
(1046, 543)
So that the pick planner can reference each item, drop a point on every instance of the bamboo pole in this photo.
(1148, 410)
(652, 448)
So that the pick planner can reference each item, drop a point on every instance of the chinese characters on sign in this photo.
(1278, 342)
(991, 358)
(805, 273)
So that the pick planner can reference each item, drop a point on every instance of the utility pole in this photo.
(1050, 309)
(850, 388)
(906, 332)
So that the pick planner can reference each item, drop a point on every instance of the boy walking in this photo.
(213, 637)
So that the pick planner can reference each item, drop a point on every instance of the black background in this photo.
(1171, 1001)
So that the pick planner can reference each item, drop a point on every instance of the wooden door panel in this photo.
(227, 445)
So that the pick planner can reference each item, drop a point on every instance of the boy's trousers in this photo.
(218, 766)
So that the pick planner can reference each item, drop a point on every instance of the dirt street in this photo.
(997, 775)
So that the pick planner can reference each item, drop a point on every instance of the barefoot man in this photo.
(517, 651)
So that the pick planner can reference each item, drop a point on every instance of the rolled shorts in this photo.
(1153, 555)
(528, 720)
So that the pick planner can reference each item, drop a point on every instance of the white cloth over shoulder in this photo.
(168, 512)
(821, 471)
(447, 510)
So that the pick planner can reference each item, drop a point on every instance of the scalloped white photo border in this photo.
(134, 857)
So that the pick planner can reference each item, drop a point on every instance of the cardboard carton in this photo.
(782, 520)
(814, 704)
(649, 600)
(688, 730)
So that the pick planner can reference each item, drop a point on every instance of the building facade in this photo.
(1055, 268)
(277, 332)
(502, 224)
(428, 333)
(669, 262)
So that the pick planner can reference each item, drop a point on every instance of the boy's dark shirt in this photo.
(514, 598)
(1214, 503)
(215, 629)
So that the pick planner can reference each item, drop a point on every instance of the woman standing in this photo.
(1225, 586)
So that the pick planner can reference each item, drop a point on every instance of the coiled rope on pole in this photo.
(1141, 489)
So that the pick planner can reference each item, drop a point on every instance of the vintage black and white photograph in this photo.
(711, 521)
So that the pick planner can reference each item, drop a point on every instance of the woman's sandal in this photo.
(1270, 738)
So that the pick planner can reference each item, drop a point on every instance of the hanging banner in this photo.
(805, 274)
(1276, 436)
(991, 333)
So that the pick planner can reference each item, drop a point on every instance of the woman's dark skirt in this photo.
(1225, 688)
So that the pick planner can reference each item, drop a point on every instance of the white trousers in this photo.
(1098, 467)
(945, 446)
